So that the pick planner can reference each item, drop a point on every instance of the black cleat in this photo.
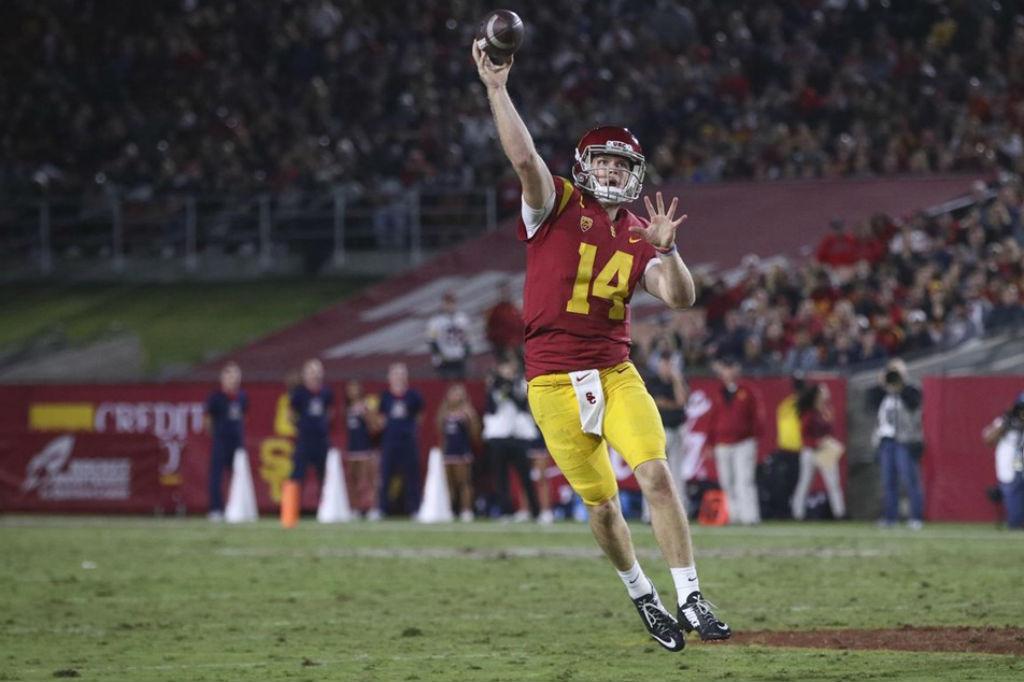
(696, 614)
(660, 624)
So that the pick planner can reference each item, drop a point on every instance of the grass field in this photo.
(142, 599)
(178, 324)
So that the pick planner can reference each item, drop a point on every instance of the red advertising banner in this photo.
(957, 466)
(79, 472)
(165, 421)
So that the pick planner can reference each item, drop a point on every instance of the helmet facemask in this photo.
(585, 174)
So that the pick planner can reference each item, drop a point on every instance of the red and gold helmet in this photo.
(618, 142)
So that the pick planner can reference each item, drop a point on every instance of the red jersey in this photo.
(581, 271)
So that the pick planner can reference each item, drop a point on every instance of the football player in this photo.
(585, 255)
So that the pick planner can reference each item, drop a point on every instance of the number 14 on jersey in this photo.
(617, 268)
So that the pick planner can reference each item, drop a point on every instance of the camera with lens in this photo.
(502, 386)
(893, 379)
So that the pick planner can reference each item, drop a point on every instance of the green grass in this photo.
(139, 599)
(178, 324)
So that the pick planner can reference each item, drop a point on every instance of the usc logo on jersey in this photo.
(586, 222)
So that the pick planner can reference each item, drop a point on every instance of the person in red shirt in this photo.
(505, 325)
(838, 248)
(820, 450)
(735, 422)
(585, 255)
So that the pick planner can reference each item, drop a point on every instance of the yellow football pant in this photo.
(632, 426)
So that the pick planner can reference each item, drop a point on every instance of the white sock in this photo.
(635, 581)
(686, 582)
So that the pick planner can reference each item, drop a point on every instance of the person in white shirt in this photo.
(504, 437)
(448, 337)
(1006, 432)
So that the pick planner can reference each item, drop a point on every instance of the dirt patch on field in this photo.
(985, 640)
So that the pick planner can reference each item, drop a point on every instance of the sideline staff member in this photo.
(313, 411)
(225, 412)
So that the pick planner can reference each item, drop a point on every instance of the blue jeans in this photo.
(899, 467)
(1013, 501)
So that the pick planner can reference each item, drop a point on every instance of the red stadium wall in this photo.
(957, 466)
(160, 428)
(168, 418)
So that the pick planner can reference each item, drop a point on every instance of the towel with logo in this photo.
(590, 396)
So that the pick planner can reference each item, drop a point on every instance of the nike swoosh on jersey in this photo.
(634, 240)
(579, 379)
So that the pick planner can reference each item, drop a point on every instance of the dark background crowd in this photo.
(235, 97)
(890, 287)
(232, 98)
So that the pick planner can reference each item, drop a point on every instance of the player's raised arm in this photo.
(538, 186)
(669, 279)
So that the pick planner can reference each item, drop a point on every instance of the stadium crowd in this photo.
(892, 287)
(235, 97)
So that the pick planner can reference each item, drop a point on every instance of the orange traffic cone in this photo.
(714, 509)
(290, 503)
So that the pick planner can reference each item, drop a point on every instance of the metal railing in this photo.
(186, 234)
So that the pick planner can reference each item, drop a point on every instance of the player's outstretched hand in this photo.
(661, 230)
(493, 75)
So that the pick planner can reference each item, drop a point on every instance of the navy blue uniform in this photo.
(399, 453)
(358, 432)
(313, 439)
(226, 413)
(457, 446)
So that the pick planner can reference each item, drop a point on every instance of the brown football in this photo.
(500, 34)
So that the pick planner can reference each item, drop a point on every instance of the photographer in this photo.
(1006, 432)
(506, 401)
(898, 438)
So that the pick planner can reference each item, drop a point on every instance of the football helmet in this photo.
(618, 142)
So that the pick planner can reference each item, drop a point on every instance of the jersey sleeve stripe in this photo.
(566, 195)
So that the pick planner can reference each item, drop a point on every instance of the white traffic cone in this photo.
(241, 507)
(437, 503)
(334, 506)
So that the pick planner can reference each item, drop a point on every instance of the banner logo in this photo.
(54, 475)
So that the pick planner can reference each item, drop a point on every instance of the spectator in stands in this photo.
(505, 325)
(734, 424)
(838, 248)
(281, 129)
(448, 337)
(312, 405)
(506, 403)
(670, 394)
(899, 441)
(391, 215)
(1007, 313)
(802, 356)
(458, 428)
(363, 422)
(820, 451)
(225, 422)
(1006, 433)
(401, 409)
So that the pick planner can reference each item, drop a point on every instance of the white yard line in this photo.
(823, 532)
